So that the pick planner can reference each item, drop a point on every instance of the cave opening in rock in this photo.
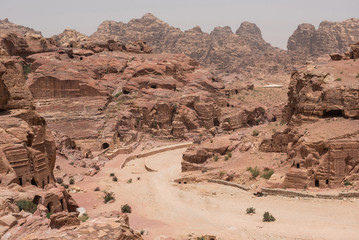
(125, 92)
(153, 86)
(71, 45)
(316, 183)
(48, 179)
(105, 145)
(62, 203)
(333, 113)
(81, 58)
(216, 122)
(327, 181)
(37, 200)
(33, 182)
(298, 165)
(20, 181)
(49, 206)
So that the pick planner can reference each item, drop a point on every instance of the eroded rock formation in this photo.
(321, 142)
(222, 49)
(330, 37)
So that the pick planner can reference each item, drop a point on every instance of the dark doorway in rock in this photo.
(71, 45)
(81, 58)
(43, 183)
(327, 181)
(153, 86)
(48, 179)
(298, 165)
(316, 183)
(37, 200)
(105, 145)
(20, 181)
(49, 206)
(333, 113)
(216, 122)
(33, 182)
(62, 203)
(125, 92)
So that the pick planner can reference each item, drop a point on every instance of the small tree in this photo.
(251, 210)
(108, 196)
(27, 206)
(126, 208)
(267, 217)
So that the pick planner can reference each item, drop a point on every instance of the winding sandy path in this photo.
(165, 209)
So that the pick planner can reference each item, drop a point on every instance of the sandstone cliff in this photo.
(8, 27)
(330, 37)
(221, 50)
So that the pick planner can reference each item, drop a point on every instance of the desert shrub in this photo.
(347, 183)
(108, 196)
(129, 180)
(142, 232)
(96, 167)
(226, 158)
(283, 123)
(59, 180)
(267, 217)
(229, 154)
(118, 94)
(221, 174)
(254, 171)
(27, 206)
(97, 189)
(48, 215)
(357, 76)
(251, 210)
(27, 69)
(126, 208)
(72, 181)
(216, 158)
(255, 133)
(112, 174)
(114, 179)
(84, 217)
(338, 79)
(267, 173)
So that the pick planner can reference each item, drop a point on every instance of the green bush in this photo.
(27, 206)
(112, 174)
(229, 154)
(267, 173)
(126, 208)
(114, 179)
(267, 217)
(216, 158)
(97, 189)
(338, 79)
(255, 133)
(129, 180)
(347, 183)
(226, 158)
(72, 181)
(27, 69)
(118, 94)
(48, 215)
(108, 196)
(84, 217)
(251, 210)
(142, 232)
(254, 171)
(357, 76)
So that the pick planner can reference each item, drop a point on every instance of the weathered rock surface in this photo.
(8, 27)
(322, 141)
(330, 37)
(70, 37)
(222, 49)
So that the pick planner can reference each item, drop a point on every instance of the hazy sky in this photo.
(276, 18)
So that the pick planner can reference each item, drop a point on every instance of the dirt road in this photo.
(165, 209)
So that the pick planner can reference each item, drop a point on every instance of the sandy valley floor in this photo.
(167, 210)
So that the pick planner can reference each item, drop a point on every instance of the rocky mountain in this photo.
(330, 37)
(222, 50)
(69, 36)
(6, 27)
